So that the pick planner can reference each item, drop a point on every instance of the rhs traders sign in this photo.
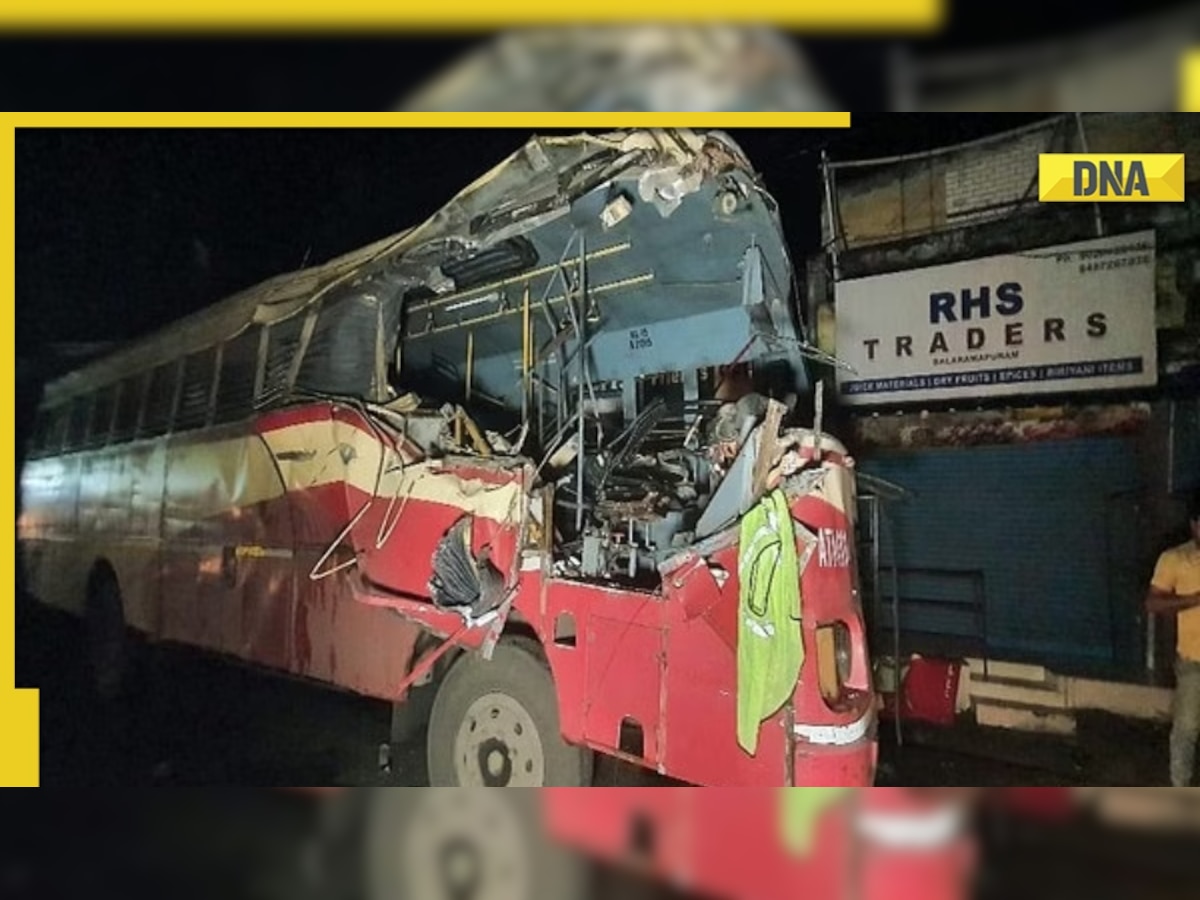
(1058, 319)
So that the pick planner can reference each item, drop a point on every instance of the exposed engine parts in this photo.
(640, 506)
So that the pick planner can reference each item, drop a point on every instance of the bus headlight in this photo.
(842, 651)
(835, 659)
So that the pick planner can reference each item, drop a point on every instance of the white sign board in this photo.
(1077, 317)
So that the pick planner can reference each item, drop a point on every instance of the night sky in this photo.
(122, 231)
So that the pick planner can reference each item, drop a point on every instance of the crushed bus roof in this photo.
(338, 324)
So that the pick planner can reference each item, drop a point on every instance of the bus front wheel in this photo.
(495, 724)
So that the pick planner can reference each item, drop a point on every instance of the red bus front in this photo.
(650, 674)
(666, 666)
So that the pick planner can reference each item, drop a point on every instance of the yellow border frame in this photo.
(1189, 87)
(351, 15)
(19, 709)
(19, 721)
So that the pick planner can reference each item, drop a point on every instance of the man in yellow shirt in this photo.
(1175, 590)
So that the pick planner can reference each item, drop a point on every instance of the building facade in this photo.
(1046, 457)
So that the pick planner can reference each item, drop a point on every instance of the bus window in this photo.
(283, 342)
(235, 385)
(129, 405)
(102, 416)
(196, 391)
(56, 429)
(77, 422)
(160, 400)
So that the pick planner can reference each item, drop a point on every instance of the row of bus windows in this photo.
(209, 387)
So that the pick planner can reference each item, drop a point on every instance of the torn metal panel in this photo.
(673, 263)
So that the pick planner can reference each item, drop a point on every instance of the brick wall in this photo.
(992, 177)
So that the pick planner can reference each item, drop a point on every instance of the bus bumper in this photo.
(835, 755)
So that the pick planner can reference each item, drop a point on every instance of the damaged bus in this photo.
(529, 471)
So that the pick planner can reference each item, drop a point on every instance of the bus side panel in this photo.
(77, 512)
(227, 549)
(192, 543)
(625, 665)
(261, 589)
(366, 649)
(102, 522)
(56, 575)
(329, 469)
(701, 682)
(130, 515)
(560, 612)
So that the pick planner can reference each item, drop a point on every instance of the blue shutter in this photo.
(1040, 533)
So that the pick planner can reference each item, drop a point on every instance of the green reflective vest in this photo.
(770, 644)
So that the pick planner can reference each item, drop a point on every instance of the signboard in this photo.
(1076, 317)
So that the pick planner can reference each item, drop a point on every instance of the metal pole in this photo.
(818, 418)
(541, 398)
(470, 362)
(525, 362)
(887, 524)
(1171, 447)
(583, 344)
(576, 322)
(830, 219)
(877, 599)
(579, 464)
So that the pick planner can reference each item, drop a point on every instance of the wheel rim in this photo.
(498, 745)
(466, 845)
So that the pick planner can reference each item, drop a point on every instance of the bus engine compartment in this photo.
(642, 505)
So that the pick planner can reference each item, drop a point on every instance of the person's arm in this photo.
(1162, 599)
(1161, 603)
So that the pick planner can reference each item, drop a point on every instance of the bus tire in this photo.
(109, 650)
(410, 716)
(495, 723)
(437, 844)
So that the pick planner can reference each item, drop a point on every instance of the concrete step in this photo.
(1134, 701)
(1024, 718)
(1049, 695)
(997, 668)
